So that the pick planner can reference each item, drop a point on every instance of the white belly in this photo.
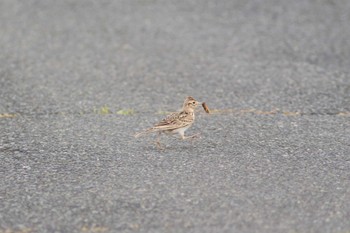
(181, 131)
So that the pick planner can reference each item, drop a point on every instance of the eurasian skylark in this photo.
(177, 122)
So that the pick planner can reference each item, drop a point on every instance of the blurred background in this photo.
(73, 56)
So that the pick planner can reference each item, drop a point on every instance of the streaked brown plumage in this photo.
(177, 122)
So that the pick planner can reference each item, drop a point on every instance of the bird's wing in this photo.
(174, 121)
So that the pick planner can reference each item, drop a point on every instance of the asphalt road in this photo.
(273, 157)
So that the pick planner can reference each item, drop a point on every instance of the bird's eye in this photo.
(193, 102)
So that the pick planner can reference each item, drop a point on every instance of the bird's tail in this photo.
(147, 131)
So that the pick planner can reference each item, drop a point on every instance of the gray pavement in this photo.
(274, 156)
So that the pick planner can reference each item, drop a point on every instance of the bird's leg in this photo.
(157, 142)
(190, 137)
(194, 136)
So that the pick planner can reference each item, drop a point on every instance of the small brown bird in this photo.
(177, 122)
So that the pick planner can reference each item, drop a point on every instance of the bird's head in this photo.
(191, 103)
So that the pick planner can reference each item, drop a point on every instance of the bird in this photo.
(177, 122)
